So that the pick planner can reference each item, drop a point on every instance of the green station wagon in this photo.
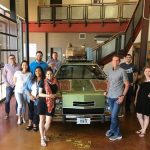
(82, 85)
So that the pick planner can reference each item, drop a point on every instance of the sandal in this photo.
(35, 128)
(29, 127)
(46, 138)
(141, 134)
(138, 131)
(43, 143)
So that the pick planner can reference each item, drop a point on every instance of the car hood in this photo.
(85, 85)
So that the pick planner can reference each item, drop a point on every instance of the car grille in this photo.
(83, 111)
(83, 103)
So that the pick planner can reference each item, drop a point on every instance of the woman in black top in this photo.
(47, 94)
(142, 102)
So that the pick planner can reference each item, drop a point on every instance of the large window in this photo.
(8, 45)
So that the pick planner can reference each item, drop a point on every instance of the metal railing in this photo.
(86, 12)
(120, 43)
(4, 12)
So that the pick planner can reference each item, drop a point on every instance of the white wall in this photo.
(138, 39)
(90, 1)
(33, 10)
(61, 40)
(20, 10)
(126, 0)
(139, 36)
(39, 40)
(109, 1)
(5, 3)
(76, 1)
(44, 2)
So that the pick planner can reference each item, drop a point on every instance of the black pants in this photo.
(33, 115)
(128, 99)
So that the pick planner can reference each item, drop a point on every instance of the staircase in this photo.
(121, 42)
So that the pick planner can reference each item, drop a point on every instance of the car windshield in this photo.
(80, 72)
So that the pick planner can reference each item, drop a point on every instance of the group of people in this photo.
(36, 86)
(121, 79)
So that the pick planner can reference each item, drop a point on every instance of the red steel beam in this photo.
(112, 27)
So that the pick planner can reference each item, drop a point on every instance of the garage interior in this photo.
(107, 33)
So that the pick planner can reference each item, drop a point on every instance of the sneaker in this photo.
(114, 138)
(43, 143)
(108, 133)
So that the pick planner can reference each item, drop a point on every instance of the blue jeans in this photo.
(21, 99)
(9, 93)
(115, 108)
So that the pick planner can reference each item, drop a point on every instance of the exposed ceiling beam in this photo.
(80, 27)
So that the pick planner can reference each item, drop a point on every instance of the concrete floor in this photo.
(70, 136)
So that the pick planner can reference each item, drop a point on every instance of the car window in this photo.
(80, 72)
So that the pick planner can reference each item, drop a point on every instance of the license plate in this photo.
(83, 120)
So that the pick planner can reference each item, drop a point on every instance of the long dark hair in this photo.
(25, 61)
(35, 77)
